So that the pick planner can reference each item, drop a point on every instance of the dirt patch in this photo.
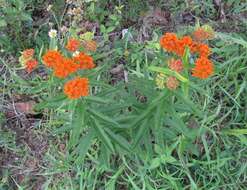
(23, 163)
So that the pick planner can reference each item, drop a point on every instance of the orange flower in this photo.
(172, 83)
(187, 41)
(203, 68)
(52, 58)
(194, 47)
(169, 42)
(179, 50)
(72, 44)
(89, 45)
(31, 65)
(203, 50)
(85, 61)
(201, 34)
(28, 53)
(65, 68)
(175, 65)
(76, 88)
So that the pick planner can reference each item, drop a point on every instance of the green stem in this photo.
(185, 60)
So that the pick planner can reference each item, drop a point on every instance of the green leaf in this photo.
(52, 102)
(87, 36)
(103, 117)
(168, 72)
(102, 29)
(3, 23)
(155, 163)
(102, 135)
(235, 132)
(149, 109)
(138, 136)
(121, 141)
(110, 185)
(167, 159)
(63, 129)
(189, 103)
(104, 157)
(19, 4)
(26, 17)
(158, 124)
(84, 146)
(77, 122)
(95, 99)
(178, 125)
(110, 29)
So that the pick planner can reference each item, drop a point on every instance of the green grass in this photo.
(164, 142)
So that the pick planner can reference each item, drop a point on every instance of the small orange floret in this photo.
(52, 58)
(194, 47)
(169, 42)
(186, 41)
(203, 68)
(77, 88)
(73, 44)
(175, 65)
(65, 68)
(172, 83)
(203, 50)
(84, 61)
(31, 65)
(28, 53)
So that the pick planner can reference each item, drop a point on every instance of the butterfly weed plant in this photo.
(137, 119)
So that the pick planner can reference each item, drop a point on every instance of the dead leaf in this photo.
(89, 45)
(154, 17)
(25, 107)
(118, 69)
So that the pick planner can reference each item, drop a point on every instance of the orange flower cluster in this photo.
(31, 65)
(203, 67)
(175, 65)
(172, 83)
(72, 45)
(27, 60)
(171, 43)
(76, 88)
(63, 67)
(52, 58)
(84, 61)
(27, 53)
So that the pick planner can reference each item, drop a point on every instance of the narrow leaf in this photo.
(102, 135)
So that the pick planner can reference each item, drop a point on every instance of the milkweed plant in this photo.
(97, 114)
